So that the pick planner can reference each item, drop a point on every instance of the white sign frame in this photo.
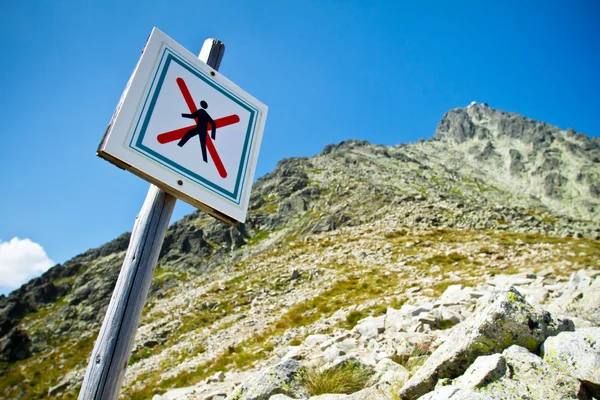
(122, 146)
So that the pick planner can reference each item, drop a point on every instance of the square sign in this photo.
(187, 129)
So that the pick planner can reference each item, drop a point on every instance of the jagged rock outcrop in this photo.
(14, 346)
(542, 160)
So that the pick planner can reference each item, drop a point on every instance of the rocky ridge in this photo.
(354, 228)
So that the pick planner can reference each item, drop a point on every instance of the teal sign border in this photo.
(150, 101)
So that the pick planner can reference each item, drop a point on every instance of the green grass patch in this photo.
(353, 317)
(445, 260)
(257, 238)
(396, 234)
(31, 378)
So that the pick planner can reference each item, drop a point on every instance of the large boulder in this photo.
(577, 354)
(15, 346)
(506, 320)
(527, 376)
(277, 379)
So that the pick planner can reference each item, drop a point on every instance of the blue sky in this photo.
(384, 71)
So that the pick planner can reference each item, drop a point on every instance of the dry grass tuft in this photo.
(345, 379)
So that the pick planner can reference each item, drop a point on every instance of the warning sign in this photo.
(186, 128)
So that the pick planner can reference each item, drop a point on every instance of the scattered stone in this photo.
(484, 370)
(454, 294)
(314, 340)
(217, 377)
(278, 379)
(295, 275)
(370, 327)
(577, 354)
(508, 319)
(397, 320)
(529, 377)
(390, 372)
(217, 395)
(581, 298)
(295, 352)
(333, 353)
(54, 390)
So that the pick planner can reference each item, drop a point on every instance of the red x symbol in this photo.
(179, 133)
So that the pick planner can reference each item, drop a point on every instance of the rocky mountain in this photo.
(357, 231)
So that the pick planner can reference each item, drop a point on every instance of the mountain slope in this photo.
(355, 226)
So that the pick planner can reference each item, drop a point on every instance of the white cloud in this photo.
(21, 260)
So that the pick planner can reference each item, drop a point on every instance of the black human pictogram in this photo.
(202, 120)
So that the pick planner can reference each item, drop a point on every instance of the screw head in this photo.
(180, 183)
(212, 73)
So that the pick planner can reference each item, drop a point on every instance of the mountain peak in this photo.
(479, 121)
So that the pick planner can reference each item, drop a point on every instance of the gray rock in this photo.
(54, 390)
(332, 353)
(216, 395)
(581, 298)
(347, 345)
(370, 327)
(387, 371)
(577, 354)
(578, 322)
(296, 352)
(15, 346)
(313, 340)
(216, 377)
(447, 317)
(454, 294)
(397, 320)
(529, 377)
(177, 394)
(363, 363)
(278, 379)
(484, 370)
(505, 321)
(453, 393)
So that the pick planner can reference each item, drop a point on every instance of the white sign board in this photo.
(187, 129)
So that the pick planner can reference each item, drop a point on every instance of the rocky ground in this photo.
(492, 341)
(359, 230)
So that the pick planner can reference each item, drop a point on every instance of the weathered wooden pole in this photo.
(110, 356)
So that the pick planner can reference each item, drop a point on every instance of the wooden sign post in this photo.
(110, 356)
